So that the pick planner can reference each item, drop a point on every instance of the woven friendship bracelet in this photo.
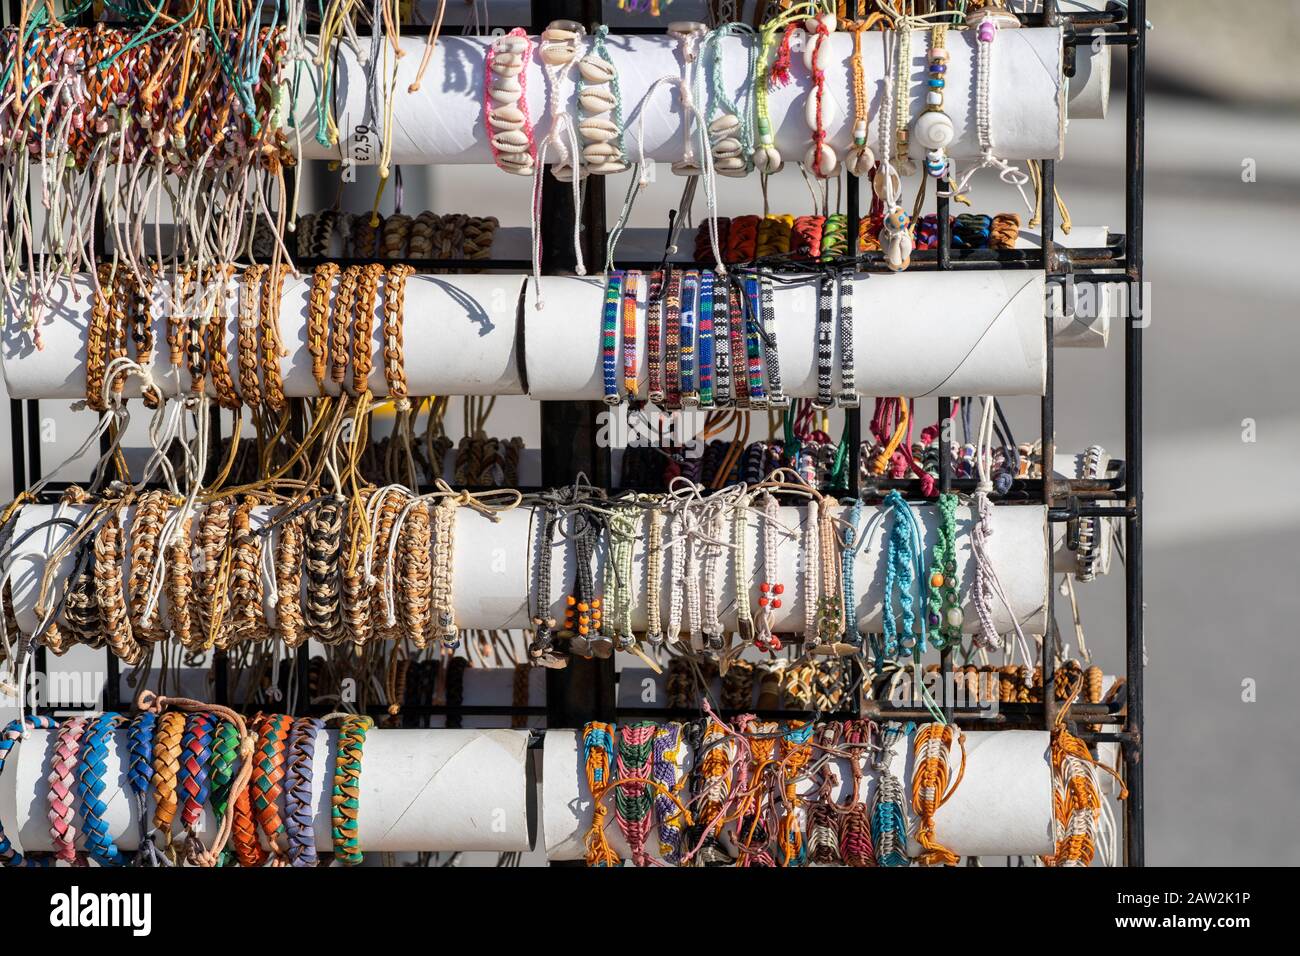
(90, 791)
(609, 337)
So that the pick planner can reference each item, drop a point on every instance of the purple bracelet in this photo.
(299, 814)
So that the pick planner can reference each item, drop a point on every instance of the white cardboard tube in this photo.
(443, 121)
(459, 339)
(1003, 806)
(421, 790)
(914, 334)
(493, 566)
(1088, 96)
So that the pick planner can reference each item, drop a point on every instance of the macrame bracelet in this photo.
(687, 323)
(819, 110)
(363, 327)
(345, 799)
(943, 602)
(505, 107)
(600, 109)
(340, 343)
(223, 383)
(665, 770)
(250, 389)
(272, 349)
(598, 759)
(394, 320)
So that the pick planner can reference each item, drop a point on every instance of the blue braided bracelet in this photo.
(299, 813)
(90, 790)
(138, 775)
(13, 732)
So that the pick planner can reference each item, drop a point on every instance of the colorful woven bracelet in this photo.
(168, 735)
(772, 356)
(139, 774)
(631, 286)
(299, 813)
(704, 339)
(196, 755)
(13, 732)
(754, 344)
(666, 771)
(687, 319)
(221, 774)
(722, 342)
(654, 317)
(609, 336)
(90, 791)
(673, 340)
(346, 797)
(633, 801)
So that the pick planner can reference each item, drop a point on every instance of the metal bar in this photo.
(1135, 142)
(1047, 202)
(18, 445)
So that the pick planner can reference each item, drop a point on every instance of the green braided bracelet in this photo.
(221, 775)
(345, 798)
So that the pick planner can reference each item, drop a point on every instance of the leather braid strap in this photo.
(97, 339)
(298, 808)
(250, 388)
(168, 739)
(345, 799)
(289, 620)
(115, 622)
(395, 236)
(139, 776)
(218, 350)
(806, 237)
(394, 320)
(366, 229)
(90, 791)
(268, 776)
(363, 327)
(62, 780)
(117, 318)
(272, 348)
(180, 584)
(148, 701)
(196, 755)
(12, 733)
(318, 319)
(146, 530)
(340, 349)
(221, 774)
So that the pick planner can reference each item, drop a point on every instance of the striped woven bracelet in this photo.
(609, 336)
(687, 320)
(704, 339)
(345, 799)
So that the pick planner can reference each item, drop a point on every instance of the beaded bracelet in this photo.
(825, 344)
(62, 779)
(687, 320)
(933, 129)
(90, 791)
(13, 732)
(609, 336)
(345, 799)
(193, 783)
(299, 811)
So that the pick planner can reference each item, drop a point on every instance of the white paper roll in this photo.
(1003, 806)
(420, 790)
(493, 566)
(459, 339)
(443, 121)
(1088, 96)
(914, 334)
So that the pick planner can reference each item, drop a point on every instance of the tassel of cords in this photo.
(597, 751)
(930, 789)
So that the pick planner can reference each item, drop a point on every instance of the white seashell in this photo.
(510, 140)
(810, 24)
(596, 99)
(725, 147)
(601, 152)
(512, 44)
(506, 117)
(729, 166)
(823, 56)
(830, 112)
(507, 84)
(595, 70)
(829, 161)
(557, 54)
(598, 130)
(504, 97)
(933, 130)
(683, 168)
(878, 183)
(724, 124)
(606, 169)
(860, 160)
(767, 159)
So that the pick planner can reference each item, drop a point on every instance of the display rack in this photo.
(586, 689)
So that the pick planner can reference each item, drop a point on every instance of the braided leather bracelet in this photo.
(218, 350)
(345, 799)
(272, 349)
(168, 741)
(415, 574)
(394, 319)
(268, 775)
(13, 732)
(324, 546)
(90, 791)
(250, 389)
(289, 622)
(247, 615)
(115, 620)
(299, 813)
(179, 583)
(196, 754)
(364, 326)
(318, 318)
(62, 780)
(344, 302)
(221, 774)
(97, 339)
(146, 529)
(139, 776)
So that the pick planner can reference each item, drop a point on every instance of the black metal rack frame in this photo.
(586, 689)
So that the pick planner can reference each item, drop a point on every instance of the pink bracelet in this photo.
(63, 774)
(505, 103)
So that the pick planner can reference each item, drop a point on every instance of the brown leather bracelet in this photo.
(318, 319)
(341, 325)
(363, 327)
